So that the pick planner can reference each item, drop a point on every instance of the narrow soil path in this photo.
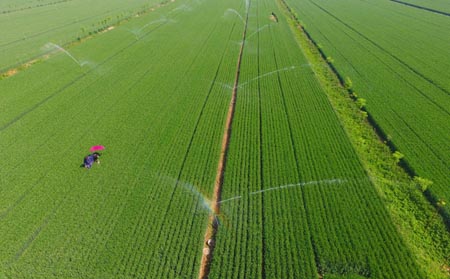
(211, 231)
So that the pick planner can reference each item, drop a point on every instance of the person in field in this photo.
(90, 159)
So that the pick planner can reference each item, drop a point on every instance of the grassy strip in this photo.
(418, 222)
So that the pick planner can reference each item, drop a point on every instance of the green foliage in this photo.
(398, 156)
(346, 276)
(441, 202)
(422, 183)
(361, 102)
(348, 83)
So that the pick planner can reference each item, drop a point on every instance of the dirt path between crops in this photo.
(211, 231)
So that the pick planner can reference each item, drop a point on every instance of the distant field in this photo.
(296, 200)
(27, 26)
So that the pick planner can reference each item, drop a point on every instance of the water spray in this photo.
(257, 31)
(182, 7)
(206, 203)
(290, 68)
(235, 12)
(52, 45)
(315, 182)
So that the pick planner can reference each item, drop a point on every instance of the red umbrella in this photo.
(96, 148)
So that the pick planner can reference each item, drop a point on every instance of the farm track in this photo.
(212, 227)
(421, 7)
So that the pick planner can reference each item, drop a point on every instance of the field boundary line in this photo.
(421, 7)
(211, 230)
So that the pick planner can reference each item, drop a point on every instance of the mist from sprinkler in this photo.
(137, 32)
(257, 31)
(228, 11)
(60, 48)
(183, 7)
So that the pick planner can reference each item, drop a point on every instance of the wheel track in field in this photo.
(212, 227)
(261, 158)
(421, 7)
(36, 232)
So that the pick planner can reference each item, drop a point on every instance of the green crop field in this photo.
(29, 25)
(219, 121)
(401, 73)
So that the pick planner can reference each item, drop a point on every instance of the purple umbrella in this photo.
(96, 148)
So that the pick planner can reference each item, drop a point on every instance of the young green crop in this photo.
(136, 213)
(299, 201)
